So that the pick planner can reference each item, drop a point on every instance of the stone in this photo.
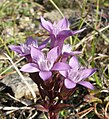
(18, 86)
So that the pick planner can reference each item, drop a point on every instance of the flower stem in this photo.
(53, 115)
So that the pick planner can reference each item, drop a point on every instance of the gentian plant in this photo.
(56, 71)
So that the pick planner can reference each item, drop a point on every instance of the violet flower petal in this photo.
(78, 31)
(36, 54)
(64, 34)
(86, 84)
(53, 54)
(46, 25)
(58, 42)
(69, 84)
(45, 74)
(44, 44)
(74, 63)
(30, 68)
(53, 40)
(60, 66)
(71, 53)
(31, 41)
(63, 73)
(16, 48)
(61, 36)
(74, 52)
(66, 55)
(63, 24)
(85, 73)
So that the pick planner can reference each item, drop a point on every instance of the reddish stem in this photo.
(53, 115)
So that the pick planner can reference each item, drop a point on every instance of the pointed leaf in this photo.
(41, 108)
(60, 107)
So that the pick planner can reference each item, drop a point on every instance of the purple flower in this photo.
(24, 49)
(67, 51)
(44, 64)
(77, 74)
(58, 32)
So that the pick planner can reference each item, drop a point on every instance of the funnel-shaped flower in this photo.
(77, 74)
(24, 49)
(58, 32)
(44, 65)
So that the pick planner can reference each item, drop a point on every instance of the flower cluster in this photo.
(56, 70)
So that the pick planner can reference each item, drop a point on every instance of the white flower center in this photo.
(25, 49)
(56, 29)
(66, 48)
(74, 76)
(44, 65)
